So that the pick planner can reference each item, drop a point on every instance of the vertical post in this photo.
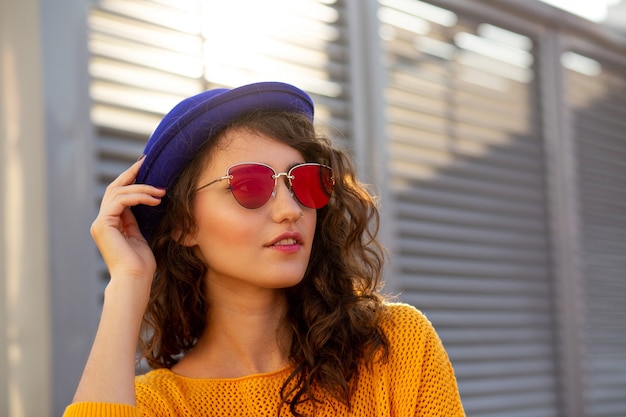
(371, 145)
(72, 195)
(25, 339)
(565, 224)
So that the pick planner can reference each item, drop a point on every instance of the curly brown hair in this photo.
(334, 311)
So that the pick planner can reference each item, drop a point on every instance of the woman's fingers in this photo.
(133, 194)
(128, 176)
(115, 229)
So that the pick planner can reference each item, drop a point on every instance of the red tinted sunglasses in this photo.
(253, 183)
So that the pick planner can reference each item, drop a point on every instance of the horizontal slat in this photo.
(607, 284)
(478, 251)
(481, 319)
(603, 166)
(431, 80)
(146, 79)
(597, 128)
(108, 169)
(468, 234)
(181, 16)
(606, 261)
(427, 50)
(278, 56)
(188, 65)
(604, 409)
(469, 285)
(609, 392)
(584, 90)
(485, 337)
(479, 302)
(606, 324)
(599, 192)
(417, 124)
(507, 385)
(597, 93)
(604, 233)
(610, 307)
(517, 154)
(116, 148)
(311, 79)
(607, 336)
(609, 374)
(527, 352)
(461, 178)
(597, 103)
(451, 215)
(605, 244)
(443, 119)
(514, 405)
(492, 164)
(137, 99)
(133, 29)
(124, 121)
(407, 192)
(599, 143)
(446, 103)
(610, 211)
(420, 86)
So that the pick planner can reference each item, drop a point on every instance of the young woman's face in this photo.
(251, 249)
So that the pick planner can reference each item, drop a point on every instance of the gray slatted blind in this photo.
(597, 96)
(467, 174)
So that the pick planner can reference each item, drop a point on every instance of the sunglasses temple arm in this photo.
(226, 177)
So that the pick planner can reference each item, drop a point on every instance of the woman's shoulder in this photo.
(413, 343)
(156, 383)
(401, 317)
(407, 329)
(155, 376)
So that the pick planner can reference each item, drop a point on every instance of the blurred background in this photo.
(494, 132)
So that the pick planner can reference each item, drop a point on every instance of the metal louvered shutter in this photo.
(597, 99)
(466, 162)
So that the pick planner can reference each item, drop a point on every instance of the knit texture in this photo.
(416, 380)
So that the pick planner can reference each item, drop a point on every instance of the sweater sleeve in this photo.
(148, 402)
(439, 395)
(422, 373)
(92, 409)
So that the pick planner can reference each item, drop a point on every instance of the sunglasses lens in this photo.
(251, 184)
(312, 185)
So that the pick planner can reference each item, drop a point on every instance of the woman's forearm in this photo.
(110, 370)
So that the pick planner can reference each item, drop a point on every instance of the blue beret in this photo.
(193, 121)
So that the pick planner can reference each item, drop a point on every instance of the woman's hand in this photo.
(116, 232)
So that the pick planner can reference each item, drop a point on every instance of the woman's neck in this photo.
(243, 336)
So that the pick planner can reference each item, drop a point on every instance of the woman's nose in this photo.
(284, 204)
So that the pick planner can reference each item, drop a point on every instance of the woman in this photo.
(242, 253)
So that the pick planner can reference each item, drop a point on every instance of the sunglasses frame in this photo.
(275, 176)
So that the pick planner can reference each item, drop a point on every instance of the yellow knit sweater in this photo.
(416, 380)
